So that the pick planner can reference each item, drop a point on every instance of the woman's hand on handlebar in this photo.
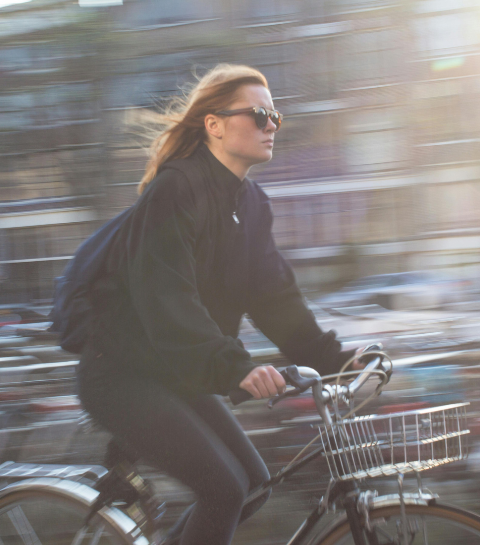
(357, 365)
(263, 381)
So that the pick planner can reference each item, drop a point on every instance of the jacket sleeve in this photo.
(162, 284)
(278, 308)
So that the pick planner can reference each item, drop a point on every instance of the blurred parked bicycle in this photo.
(81, 505)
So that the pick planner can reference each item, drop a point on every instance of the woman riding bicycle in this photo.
(195, 255)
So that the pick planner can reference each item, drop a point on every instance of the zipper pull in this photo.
(235, 218)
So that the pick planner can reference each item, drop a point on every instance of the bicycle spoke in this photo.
(385, 534)
(77, 540)
(425, 533)
(33, 518)
(98, 534)
(82, 533)
(23, 526)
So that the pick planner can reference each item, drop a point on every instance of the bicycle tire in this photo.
(451, 526)
(53, 511)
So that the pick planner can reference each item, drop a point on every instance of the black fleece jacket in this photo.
(188, 275)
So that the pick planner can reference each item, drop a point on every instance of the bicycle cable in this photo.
(338, 376)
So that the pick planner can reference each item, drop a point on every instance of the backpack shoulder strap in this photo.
(196, 180)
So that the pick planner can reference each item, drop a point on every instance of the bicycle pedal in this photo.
(155, 511)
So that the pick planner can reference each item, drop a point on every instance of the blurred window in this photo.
(32, 256)
(452, 206)
(268, 10)
(46, 105)
(388, 215)
(314, 8)
(448, 32)
(376, 140)
(329, 219)
(151, 12)
(14, 57)
(14, 121)
(34, 56)
(447, 116)
(339, 6)
(284, 227)
(373, 58)
(58, 173)
(277, 63)
(319, 65)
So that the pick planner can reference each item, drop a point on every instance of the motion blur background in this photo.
(376, 170)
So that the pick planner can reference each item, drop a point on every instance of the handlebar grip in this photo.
(239, 395)
(291, 376)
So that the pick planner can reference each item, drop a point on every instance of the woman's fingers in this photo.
(263, 381)
(278, 380)
(357, 365)
(249, 384)
(252, 389)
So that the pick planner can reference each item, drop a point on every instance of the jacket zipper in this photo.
(234, 213)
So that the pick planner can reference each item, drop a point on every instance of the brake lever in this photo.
(295, 379)
(290, 393)
(366, 358)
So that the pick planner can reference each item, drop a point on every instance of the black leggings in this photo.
(196, 440)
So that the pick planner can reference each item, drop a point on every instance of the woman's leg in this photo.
(162, 429)
(221, 420)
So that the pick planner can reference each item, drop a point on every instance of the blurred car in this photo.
(399, 291)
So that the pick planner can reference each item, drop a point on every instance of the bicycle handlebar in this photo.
(304, 378)
(292, 377)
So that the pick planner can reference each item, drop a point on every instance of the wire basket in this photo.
(378, 445)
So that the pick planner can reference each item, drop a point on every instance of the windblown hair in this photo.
(182, 127)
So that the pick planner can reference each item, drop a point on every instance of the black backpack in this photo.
(71, 315)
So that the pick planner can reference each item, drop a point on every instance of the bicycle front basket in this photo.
(376, 445)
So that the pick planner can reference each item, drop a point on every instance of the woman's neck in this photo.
(233, 164)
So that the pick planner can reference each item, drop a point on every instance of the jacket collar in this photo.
(221, 174)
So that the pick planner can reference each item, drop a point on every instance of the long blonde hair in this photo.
(182, 124)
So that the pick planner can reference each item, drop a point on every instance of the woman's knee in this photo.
(228, 488)
(258, 474)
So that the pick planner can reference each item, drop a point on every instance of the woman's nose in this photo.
(270, 126)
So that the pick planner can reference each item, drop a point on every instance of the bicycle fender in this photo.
(82, 494)
(388, 500)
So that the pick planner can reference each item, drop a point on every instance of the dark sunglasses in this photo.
(261, 115)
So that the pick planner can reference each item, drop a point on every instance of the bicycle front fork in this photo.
(362, 534)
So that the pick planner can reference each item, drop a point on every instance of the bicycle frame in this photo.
(347, 492)
(355, 502)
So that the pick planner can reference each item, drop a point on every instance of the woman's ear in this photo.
(214, 126)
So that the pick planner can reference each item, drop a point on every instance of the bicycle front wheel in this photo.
(51, 513)
(426, 525)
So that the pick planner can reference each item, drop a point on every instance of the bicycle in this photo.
(117, 507)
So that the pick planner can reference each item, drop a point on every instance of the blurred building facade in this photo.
(376, 168)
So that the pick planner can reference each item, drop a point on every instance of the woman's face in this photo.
(241, 139)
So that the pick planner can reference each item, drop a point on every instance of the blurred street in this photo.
(435, 357)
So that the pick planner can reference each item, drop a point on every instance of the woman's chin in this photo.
(265, 156)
